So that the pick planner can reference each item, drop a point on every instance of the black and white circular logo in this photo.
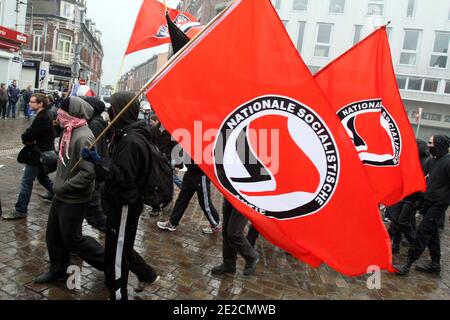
(373, 131)
(277, 156)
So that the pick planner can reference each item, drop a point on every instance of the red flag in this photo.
(151, 30)
(362, 89)
(251, 115)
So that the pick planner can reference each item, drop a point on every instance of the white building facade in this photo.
(12, 37)
(419, 35)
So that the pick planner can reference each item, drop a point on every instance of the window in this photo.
(67, 10)
(447, 87)
(37, 40)
(301, 33)
(323, 40)
(410, 11)
(64, 47)
(410, 44)
(447, 118)
(277, 4)
(300, 5)
(439, 57)
(357, 36)
(431, 85)
(337, 6)
(415, 84)
(285, 22)
(375, 8)
(431, 116)
(401, 81)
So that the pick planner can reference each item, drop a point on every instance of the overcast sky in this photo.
(115, 19)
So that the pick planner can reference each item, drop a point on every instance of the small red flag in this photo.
(250, 114)
(362, 89)
(151, 30)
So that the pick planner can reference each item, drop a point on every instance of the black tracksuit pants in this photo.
(95, 216)
(428, 233)
(200, 184)
(402, 223)
(120, 257)
(234, 241)
(64, 236)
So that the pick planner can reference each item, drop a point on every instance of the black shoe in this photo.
(46, 196)
(250, 266)
(51, 277)
(432, 268)
(222, 269)
(403, 270)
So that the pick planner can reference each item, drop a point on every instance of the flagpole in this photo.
(419, 122)
(120, 72)
(158, 73)
(165, 5)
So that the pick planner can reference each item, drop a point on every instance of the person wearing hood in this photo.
(403, 213)
(73, 190)
(125, 174)
(95, 216)
(436, 202)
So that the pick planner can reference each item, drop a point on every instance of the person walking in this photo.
(125, 173)
(3, 100)
(38, 138)
(235, 242)
(194, 181)
(13, 97)
(26, 102)
(73, 190)
(96, 216)
(436, 202)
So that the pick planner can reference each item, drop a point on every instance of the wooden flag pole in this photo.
(164, 68)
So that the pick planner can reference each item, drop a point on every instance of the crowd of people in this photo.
(106, 185)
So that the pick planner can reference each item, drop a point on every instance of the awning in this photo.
(9, 46)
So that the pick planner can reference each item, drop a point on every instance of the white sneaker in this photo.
(166, 225)
(211, 230)
(142, 285)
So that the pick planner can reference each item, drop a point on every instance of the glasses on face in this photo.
(430, 142)
(33, 101)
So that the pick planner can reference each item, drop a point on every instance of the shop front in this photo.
(10, 47)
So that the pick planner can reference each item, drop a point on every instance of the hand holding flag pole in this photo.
(168, 63)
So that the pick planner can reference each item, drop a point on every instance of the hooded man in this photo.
(97, 124)
(125, 174)
(403, 213)
(436, 202)
(73, 190)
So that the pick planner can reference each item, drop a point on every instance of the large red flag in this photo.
(362, 89)
(248, 111)
(151, 30)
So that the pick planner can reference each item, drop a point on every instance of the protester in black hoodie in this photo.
(436, 202)
(125, 174)
(95, 215)
(403, 213)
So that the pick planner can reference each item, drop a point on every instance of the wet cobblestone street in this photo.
(183, 258)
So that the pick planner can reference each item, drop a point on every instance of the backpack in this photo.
(157, 191)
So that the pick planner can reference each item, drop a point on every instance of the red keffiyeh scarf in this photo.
(68, 123)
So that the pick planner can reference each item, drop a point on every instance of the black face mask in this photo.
(432, 151)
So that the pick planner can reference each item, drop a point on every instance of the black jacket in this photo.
(438, 182)
(41, 131)
(126, 170)
(97, 125)
(163, 140)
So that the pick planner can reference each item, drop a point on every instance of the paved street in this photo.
(183, 258)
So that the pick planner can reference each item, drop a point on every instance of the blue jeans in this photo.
(177, 181)
(11, 109)
(26, 186)
(26, 110)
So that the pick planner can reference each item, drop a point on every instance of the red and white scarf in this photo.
(69, 123)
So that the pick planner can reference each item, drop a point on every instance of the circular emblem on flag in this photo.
(373, 131)
(277, 156)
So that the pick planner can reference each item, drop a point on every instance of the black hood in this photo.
(97, 104)
(423, 148)
(441, 145)
(118, 101)
(139, 126)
